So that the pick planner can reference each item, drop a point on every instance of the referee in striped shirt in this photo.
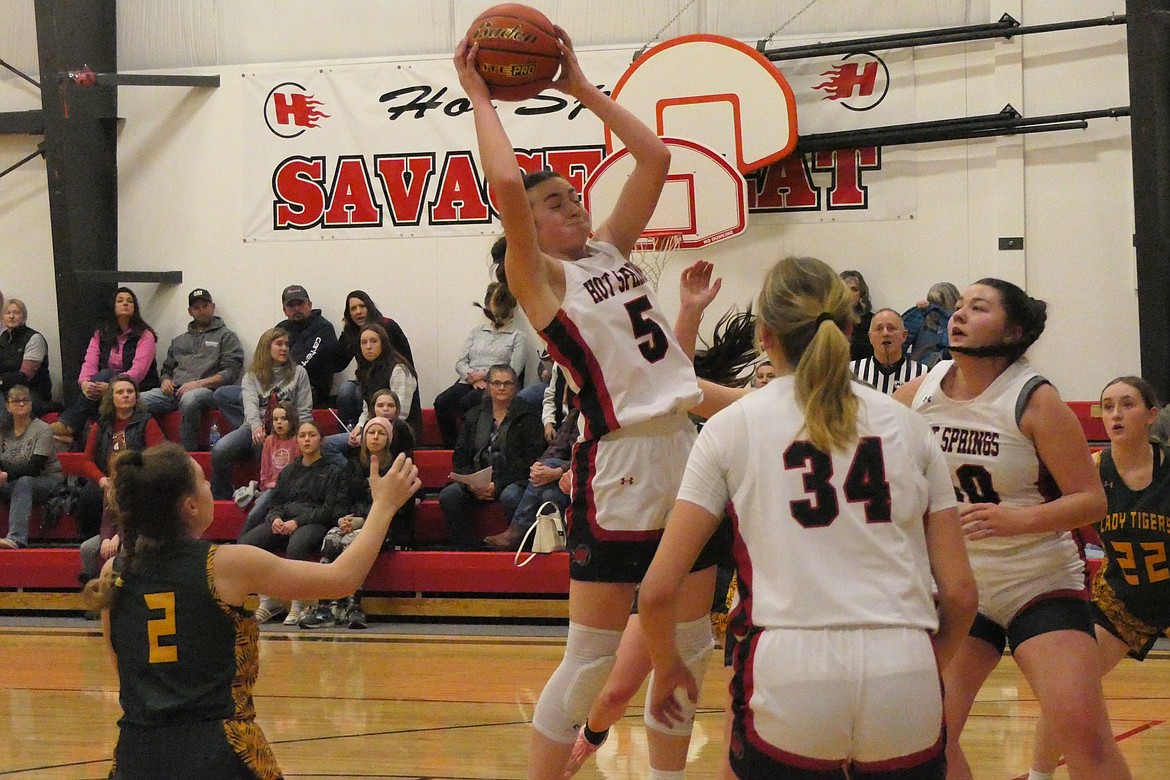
(888, 369)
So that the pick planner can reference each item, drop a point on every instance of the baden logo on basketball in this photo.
(489, 32)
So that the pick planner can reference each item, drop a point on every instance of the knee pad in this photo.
(694, 647)
(564, 703)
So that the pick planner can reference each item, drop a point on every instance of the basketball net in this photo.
(652, 254)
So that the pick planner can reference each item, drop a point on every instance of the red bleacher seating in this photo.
(1089, 415)
(431, 572)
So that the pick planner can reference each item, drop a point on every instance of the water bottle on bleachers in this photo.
(213, 435)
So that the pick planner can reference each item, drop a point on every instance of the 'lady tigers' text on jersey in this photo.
(618, 349)
(1136, 533)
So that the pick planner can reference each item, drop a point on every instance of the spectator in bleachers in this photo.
(29, 469)
(926, 325)
(381, 366)
(859, 346)
(385, 439)
(888, 368)
(312, 341)
(280, 449)
(24, 358)
(208, 355)
(544, 484)
(312, 344)
(497, 341)
(382, 403)
(360, 310)
(310, 495)
(765, 372)
(122, 424)
(503, 433)
(273, 377)
(123, 344)
(555, 404)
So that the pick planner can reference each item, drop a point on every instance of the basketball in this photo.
(518, 52)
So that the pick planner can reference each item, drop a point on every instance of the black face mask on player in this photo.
(1007, 349)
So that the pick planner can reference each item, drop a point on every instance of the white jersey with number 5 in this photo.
(616, 346)
(824, 541)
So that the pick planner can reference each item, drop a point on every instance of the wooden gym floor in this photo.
(384, 704)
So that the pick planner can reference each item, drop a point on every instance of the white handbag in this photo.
(549, 530)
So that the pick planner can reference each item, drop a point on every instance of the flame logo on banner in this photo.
(855, 85)
(290, 110)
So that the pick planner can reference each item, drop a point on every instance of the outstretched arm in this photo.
(241, 569)
(640, 194)
(696, 291)
(526, 266)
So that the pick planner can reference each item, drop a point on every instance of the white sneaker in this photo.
(295, 613)
(268, 609)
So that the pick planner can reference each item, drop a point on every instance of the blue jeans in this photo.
(456, 500)
(335, 447)
(229, 399)
(234, 446)
(82, 409)
(534, 394)
(350, 402)
(21, 495)
(535, 496)
(191, 408)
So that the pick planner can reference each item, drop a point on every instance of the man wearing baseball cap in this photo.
(312, 341)
(207, 356)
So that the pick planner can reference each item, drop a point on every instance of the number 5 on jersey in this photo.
(652, 341)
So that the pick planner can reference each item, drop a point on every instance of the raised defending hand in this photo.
(696, 290)
(469, 77)
(664, 706)
(397, 485)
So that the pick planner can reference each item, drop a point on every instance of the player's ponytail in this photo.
(806, 307)
(146, 495)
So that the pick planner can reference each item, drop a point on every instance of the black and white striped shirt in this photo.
(886, 379)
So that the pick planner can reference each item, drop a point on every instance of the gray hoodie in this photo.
(198, 354)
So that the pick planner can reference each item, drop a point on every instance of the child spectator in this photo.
(280, 449)
(386, 439)
(273, 377)
(309, 496)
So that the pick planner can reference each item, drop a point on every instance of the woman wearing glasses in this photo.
(28, 465)
(504, 433)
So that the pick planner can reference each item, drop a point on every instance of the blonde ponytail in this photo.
(806, 307)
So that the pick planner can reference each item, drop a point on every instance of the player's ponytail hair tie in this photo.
(824, 317)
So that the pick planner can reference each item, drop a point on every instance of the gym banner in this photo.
(387, 149)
